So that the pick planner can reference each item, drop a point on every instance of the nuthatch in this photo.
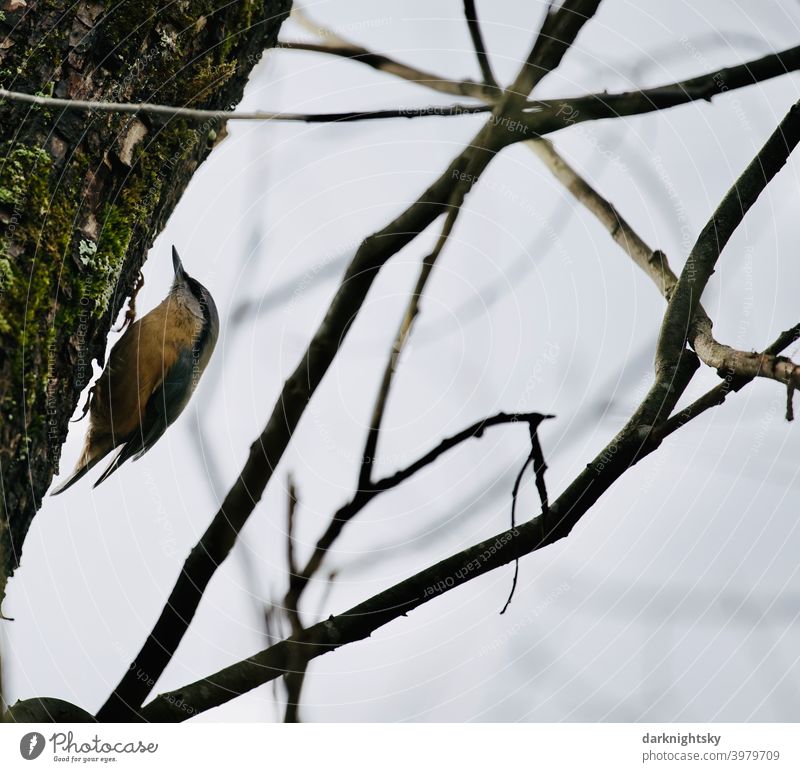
(150, 375)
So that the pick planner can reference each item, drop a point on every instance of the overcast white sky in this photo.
(677, 597)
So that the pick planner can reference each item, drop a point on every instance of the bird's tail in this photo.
(85, 463)
(131, 449)
(79, 472)
(112, 467)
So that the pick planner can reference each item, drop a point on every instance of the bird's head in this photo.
(195, 297)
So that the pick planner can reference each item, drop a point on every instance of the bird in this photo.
(151, 373)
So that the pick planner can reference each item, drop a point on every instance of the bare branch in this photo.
(471, 14)
(554, 114)
(627, 448)
(685, 298)
(382, 63)
(731, 383)
(298, 581)
(548, 115)
(291, 508)
(745, 364)
(737, 368)
(558, 32)
(652, 262)
(336, 45)
(193, 114)
(295, 676)
(300, 15)
(723, 358)
(539, 468)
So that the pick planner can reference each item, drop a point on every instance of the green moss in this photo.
(208, 79)
(107, 259)
(6, 275)
(39, 208)
(24, 176)
(133, 22)
(18, 170)
(140, 195)
(6, 285)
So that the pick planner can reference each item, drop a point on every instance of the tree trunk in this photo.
(82, 196)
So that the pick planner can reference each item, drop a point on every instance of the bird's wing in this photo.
(165, 404)
(136, 367)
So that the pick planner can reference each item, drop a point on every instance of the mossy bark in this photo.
(82, 196)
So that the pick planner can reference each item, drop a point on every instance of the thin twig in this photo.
(363, 496)
(468, 506)
(539, 468)
(471, 14)
(398, 344)
(336, 45)
(536, 458)
(294, 680)
(332, 576)
(383, 63)
(653, 263)
(555, 114)
(295, 676)
(269, 615)
(514, 495)
(197, 114)
(291, 507)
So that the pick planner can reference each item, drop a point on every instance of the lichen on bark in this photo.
(82, 196)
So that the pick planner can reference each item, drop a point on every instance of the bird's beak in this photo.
(177, 265)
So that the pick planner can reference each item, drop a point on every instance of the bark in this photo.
(82, 196)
